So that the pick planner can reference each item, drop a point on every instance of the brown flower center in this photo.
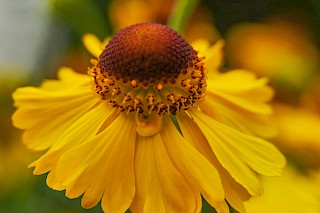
(145, 53)
(149, 68)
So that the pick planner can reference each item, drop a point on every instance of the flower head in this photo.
(152, 127)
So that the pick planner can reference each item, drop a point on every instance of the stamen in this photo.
(159, 87)
(171, 98)
(126, 98)
(94, 62)
(134, 83)
(150, 99)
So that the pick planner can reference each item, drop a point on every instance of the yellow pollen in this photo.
(134, 83)
(159, 87)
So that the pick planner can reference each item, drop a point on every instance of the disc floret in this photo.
(149, 68)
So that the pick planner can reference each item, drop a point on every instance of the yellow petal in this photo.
(38, 97)
(46, 162)
(195, 167)
(235, 194)
(241, 89)
(160, 186)
(45, 112)
(238, 118)
(249, 100)
(201, 46)
(226, 81)
(241, 154)
(72, 78)
(45, 119)
(214, 57)
(82, 130)
(92, 44)
(85, 128)
(38, 102)
(213, 54)
(52, 181)
(238, 81)
(68, 77)
(102, 167)
(148, 125)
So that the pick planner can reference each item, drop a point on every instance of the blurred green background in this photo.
(276, 38)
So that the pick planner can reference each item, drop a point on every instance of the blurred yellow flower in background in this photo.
(296, 133)
(284, 48)
(152, 127)
(292, 192)
(199, 26)
(310, 99)
(13, 156)
(13, 174)
(124, 13)
(278, 48)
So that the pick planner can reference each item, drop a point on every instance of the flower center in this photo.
(146, 52)
(149, 67)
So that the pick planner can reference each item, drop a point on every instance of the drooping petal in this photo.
(39, 105)
(238, 100)
(235, 194)
(235, 80)
(241, 89)
(82, 130)
(160, 187)
(47, 111)
(240, 154)
(50, 97)
(52, 181)
(195, 167)
(68, 80)
(238, 118)
(103, 167)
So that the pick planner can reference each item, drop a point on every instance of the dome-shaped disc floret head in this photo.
(146, 52)
(149, 67)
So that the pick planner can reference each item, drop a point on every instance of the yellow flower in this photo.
(281, 49)
(298, 136)
(137, 11)
(150, 128)
(293, 192)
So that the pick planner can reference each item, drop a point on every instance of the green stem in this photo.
(180, 13)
